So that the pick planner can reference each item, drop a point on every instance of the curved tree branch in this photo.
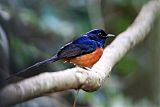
(77, 77)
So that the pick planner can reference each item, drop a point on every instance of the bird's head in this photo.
(99, 33)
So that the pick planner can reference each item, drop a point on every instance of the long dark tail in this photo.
(52, 59)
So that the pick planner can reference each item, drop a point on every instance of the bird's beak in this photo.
(110, 35)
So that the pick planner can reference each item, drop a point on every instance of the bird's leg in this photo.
(87, 68)
(75, 99)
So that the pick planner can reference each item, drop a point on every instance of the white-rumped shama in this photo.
(85, 51)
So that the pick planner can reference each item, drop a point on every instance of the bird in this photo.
(84, 51)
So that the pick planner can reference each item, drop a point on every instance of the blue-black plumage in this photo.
(85, 44)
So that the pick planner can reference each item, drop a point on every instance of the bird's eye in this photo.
(101, 35)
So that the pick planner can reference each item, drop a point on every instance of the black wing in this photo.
(73, 49)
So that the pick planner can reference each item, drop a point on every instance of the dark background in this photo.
(36, 29)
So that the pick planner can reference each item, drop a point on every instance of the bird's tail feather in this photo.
(52, 59)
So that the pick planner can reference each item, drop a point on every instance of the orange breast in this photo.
(88, 59)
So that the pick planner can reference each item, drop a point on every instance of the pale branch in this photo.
(80, 78)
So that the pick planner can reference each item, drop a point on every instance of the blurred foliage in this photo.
(37, 29)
